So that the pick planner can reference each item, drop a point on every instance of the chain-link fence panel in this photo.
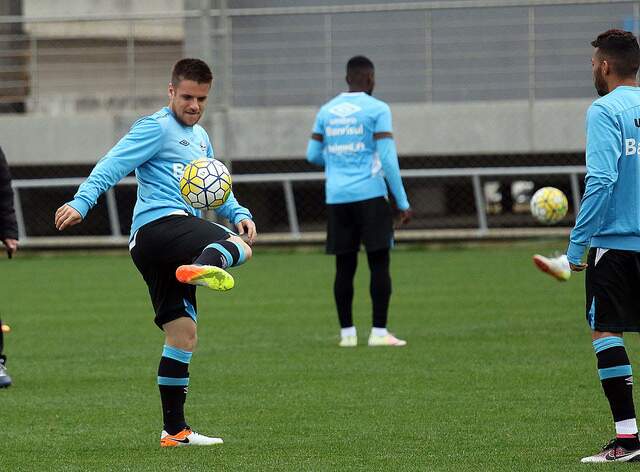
(78, 82)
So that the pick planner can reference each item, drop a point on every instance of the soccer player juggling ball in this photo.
(352, 138)
(609, 223)
(171, 246)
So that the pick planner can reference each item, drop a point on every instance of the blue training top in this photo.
(158, 147)
(609, 215)
(356, 164)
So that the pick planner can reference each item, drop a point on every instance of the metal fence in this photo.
(448, 51)
(109, 228)
(424, 51)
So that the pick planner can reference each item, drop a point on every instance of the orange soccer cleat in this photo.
(187, 437)
(211, 277)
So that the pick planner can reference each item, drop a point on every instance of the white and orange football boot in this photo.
(211, 277)
(386, 340)
(187, 437)
(556, 267)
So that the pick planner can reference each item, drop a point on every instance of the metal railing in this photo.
(475, 175)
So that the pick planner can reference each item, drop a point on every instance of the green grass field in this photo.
(499, 373)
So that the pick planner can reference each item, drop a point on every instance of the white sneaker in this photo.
(613, 452)
(557, 267)
(187, 437)
(386, 340)
(348, 341)
(5, 380)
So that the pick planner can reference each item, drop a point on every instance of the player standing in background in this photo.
(352, 138)
(609, 223)
(171, 246)
(9, 237)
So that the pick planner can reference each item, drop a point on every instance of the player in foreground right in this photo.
(609, 222)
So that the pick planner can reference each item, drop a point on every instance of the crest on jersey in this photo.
(184, 142)
(344, 109)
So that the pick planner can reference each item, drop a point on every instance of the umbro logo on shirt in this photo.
(344, 109)
(184, 142)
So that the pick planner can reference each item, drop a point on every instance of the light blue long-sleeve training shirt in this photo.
(609, 215)
(158, 148)
(356, 165)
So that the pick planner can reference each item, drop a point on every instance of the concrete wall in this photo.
(509, 127)
(170, 29)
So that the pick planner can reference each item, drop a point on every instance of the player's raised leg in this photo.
(208, 270)
(380, 291)
(173, 382)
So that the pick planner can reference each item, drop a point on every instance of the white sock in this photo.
(379, 331)
(350, 331)
(626, 426)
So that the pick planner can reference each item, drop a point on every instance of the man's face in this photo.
(188, 100)
(599, 68)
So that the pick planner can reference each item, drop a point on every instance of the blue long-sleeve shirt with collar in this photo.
(158, 148)
(609, 215)
(356, 164)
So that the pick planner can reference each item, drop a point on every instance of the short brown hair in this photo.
(621, 49)
(191, 69)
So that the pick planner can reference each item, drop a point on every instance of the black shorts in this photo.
(163, 245)
(613, 290)
(368, 222)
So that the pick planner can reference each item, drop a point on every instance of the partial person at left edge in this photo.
(9, 238)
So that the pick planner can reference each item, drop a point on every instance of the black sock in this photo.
(346, 265)
(173, 382)
(379, 286)
(223, 254)
(616, 378)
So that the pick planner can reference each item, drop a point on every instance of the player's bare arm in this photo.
(66, 216)
(577, 267)
(317, 137)
(248, 227)
(11, 246)
(406, 216)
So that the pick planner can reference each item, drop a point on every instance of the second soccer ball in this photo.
(549, 205)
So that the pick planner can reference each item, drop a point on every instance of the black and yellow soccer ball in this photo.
(205, 184)
(549, 205)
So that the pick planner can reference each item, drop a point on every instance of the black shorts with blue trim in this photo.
(159, 247)
(369, 222)
(613, 290)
